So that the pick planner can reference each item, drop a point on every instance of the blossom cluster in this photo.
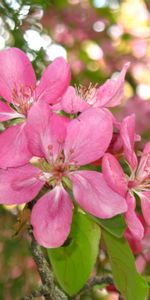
(54, 137)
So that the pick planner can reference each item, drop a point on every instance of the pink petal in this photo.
(46, 131)
(132, 220)
(143, 170)
(54, 81)
(140, 263)
(15, 71)
(14, 146)
(136, 245)
(112, 91)
(7, 113)
(95, 196)
(72, 103)
(145, 205)
(19, 185)
(51, 218)
(56, 107)
(127, 132)
(114, 174)
(146, 148)
(116, 144)
(88, 136)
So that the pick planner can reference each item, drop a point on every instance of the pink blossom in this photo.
(138, 182)
(18, 87)
(136, 244)
(108, 95)
(124, 138)
(140, 248)
(61, 148)
(118, 181)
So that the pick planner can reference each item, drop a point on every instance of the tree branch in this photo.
(49, 289)
(41, 291)
(97, 280)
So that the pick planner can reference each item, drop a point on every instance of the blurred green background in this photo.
(96, 37)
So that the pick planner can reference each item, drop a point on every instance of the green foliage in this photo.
(17, 272)
(73, 263)
(116, 225)
(131, 285)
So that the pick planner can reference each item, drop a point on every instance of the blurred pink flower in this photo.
(139, 47)
(141, 109)
(140, 248)
(62, 146)
(18, 88)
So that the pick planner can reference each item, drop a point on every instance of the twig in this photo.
(49, 289)
(97, 280)
(41, 291)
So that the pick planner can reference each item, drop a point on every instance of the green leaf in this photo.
(131, 284)
(116, 225)
(73, 263)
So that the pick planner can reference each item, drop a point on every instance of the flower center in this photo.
(55, 171)
(59, 168)
(23, 98)
(138, 186)
(88, 94)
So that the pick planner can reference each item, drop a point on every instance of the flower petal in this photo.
(145, 205)
(112, 91)
(54, 81)
(143, 170)
(19, 185)
(16, 71)
(127, 132)
(51, 218)
(88, 136)
(136, 245)
(46, 131)
(72, 103)
(140, 263)
(95, 196)
(14, 146)
(134, 224)
(114, 174)
(7, 113)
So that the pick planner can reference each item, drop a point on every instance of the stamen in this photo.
(53, 171)
(23, 98)
(88, 94)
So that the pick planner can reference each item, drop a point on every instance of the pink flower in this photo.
(136, 245)
(140, 248)
(108, 95)
(138, 182)
(61, 148)
(18, 88)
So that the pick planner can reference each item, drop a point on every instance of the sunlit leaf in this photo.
(131, 284)
(116, 225)
(73, 263)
